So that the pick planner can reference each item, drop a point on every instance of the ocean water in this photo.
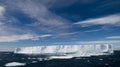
(112, 60)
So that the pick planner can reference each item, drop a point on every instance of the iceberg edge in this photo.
(67, 50)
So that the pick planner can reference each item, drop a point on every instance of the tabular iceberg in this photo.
(67, 50)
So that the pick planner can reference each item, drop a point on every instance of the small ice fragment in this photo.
(14, 64)
(101, 59)
(34, 62)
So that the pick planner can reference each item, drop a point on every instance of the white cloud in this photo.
(46, 20)
(8, 30)
(107, 20)
(113, 37)
(2, 9)
(64, 3)
(14, 38)
(66, 34)
(93, 30)
(4, 48)
(89, 42)
(99, 42)
(47, 35)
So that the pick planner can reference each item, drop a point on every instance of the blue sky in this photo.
(45, 22)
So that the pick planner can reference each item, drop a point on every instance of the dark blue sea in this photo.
(112, 60)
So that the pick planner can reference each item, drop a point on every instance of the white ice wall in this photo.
(74, 50)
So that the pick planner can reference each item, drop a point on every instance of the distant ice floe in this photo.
(34, 62)
(13, 64)
(101, 59)
(67, 51)
(61, 57)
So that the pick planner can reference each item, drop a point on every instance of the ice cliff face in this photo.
(71, 50)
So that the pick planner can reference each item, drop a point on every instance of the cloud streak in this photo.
(113, 37)
(15, 38)
(93, 30)
(2, 10)
(107, 20)
(99, 42)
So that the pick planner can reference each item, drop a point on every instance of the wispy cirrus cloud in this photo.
(66, 34)
(14, 38)
(2, 10)
(99, 42)
(113, 37)
(93, 30)
(64, 3)
(10, 33)
(113, 42)
(46, 21)
(107, 20)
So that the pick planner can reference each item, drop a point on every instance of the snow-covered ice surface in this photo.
(67, 51)
(13, 64)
